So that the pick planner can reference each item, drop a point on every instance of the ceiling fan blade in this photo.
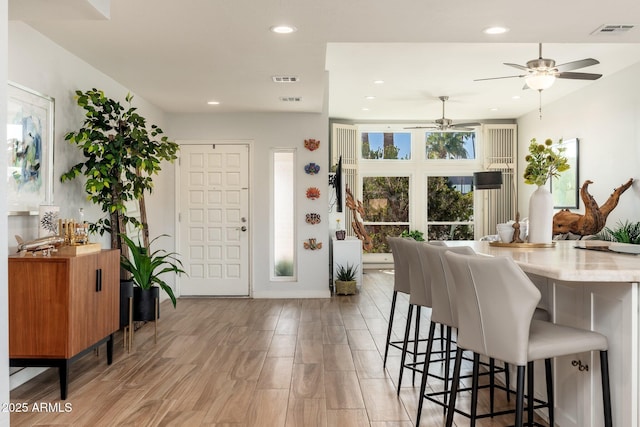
(496, 78)
(465, 125)
(456, 127)
(421, 127)
(577, 64)
(518, 66)
(579, 76)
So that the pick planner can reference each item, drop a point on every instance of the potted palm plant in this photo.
(346, 279)
(146, 267)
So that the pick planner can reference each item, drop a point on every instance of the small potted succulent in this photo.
(346, 279)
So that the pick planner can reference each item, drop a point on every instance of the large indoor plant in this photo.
(146, 267)
(121, 156)
(543, 162)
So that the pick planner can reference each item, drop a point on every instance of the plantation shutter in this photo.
(344, 142)
(500, 154)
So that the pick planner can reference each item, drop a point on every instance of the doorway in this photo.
(213, 219)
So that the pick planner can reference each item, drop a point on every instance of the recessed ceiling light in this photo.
(493, 109)
(213, 102)
(370, 97)
(365, 109)
(495, 30)
(283, 29)
(378, 82)
(515, 97)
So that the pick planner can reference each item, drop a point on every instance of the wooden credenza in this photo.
(61, 307)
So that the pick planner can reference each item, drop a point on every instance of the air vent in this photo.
(613, 29)
(291, 98)
(285, 79)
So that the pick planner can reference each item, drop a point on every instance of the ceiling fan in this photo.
(443, 123)
(541, 73)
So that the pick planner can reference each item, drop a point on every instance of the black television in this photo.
(336, 182)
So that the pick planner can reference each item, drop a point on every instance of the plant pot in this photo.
(345, 288)
(144, 303)
(126, 292)
(340, 234)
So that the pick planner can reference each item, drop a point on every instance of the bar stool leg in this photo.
(447, 366)
(393, 310)
(606, 390)
(492, 384)
(519, 396)
(550, 397)
(416, 341)
(454, 387)
(507, 380)
(530, 372)
(425, 371)
(404, 345)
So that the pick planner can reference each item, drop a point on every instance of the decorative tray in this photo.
(79, 249)
(523, 245)
(611, 248)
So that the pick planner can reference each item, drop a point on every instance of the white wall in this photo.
(4, 309)
(268, 131)
(605, 116)
(53, 71)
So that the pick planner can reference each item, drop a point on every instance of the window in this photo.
(283, 208)
(450, 145)
(450, 208)
(416, 179)
(386, 204)
(386, 145)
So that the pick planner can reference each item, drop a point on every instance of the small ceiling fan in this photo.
(541, 73)
(443, 123)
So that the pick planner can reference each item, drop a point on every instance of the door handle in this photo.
(99, 280)
(243, 228)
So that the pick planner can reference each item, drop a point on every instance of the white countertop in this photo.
(566, 262)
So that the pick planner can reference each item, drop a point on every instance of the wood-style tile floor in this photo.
(250, 362)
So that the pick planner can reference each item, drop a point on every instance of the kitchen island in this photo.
(594, 290)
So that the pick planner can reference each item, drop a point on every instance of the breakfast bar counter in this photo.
(589, 289)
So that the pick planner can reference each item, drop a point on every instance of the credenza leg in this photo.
(63, 372)
(110, 350)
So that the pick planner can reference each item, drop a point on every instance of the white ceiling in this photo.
(181, 54)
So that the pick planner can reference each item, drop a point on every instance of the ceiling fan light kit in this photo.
(540, 81)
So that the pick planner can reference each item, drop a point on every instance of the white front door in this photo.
(214, 224)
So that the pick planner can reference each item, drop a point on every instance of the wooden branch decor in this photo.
(594, 218)
(357, 209)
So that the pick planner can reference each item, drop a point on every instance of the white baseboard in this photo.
(292, 294)
(23, 375)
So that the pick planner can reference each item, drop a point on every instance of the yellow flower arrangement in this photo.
(544, 162)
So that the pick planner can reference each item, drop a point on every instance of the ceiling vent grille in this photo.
(285, 79)
(291, 98)
(613, 29)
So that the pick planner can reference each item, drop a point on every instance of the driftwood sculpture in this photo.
(594, 218)
(358, 228)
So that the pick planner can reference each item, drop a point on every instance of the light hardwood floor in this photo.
(250, 362)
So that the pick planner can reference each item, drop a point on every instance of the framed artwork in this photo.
(565, 188)
(30, 150)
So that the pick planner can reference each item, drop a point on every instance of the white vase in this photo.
(541, 216)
